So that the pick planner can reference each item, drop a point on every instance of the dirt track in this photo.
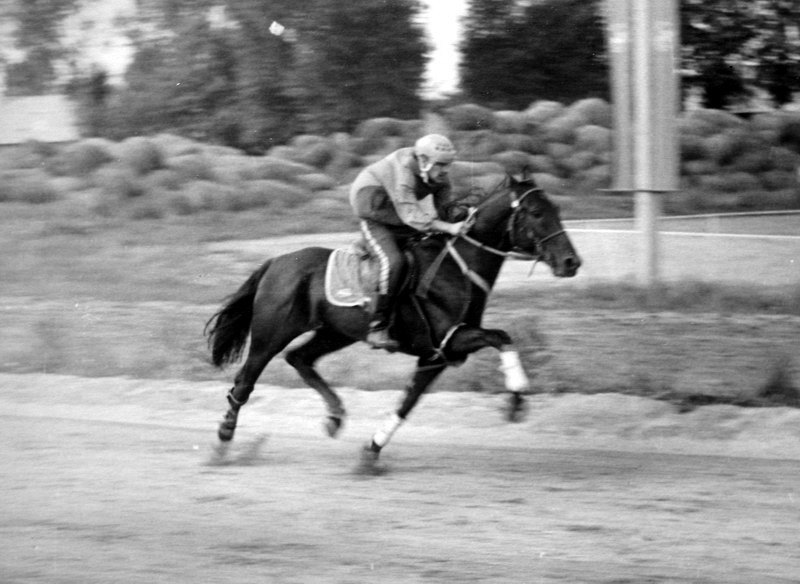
(115, 480)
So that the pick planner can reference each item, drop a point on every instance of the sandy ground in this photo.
(119, 480)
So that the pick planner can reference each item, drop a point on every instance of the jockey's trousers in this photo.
(385, 242)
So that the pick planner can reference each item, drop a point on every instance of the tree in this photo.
(37, 34)
(731, 44)
(237, 82)
(518, 52)
(359, 60)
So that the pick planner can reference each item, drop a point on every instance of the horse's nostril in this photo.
(572, 262)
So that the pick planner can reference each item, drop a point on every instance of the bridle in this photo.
(516, 206)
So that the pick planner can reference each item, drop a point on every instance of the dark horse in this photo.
(438, 317)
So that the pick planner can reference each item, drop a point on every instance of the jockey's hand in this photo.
(456, 229)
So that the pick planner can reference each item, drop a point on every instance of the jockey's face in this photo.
(438, 173)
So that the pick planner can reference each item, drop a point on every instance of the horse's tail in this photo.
(227, 330)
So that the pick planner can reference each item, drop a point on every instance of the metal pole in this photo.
(646, 204)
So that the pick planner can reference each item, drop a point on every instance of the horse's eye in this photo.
(537, 214)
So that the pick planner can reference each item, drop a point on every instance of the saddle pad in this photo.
(343, 284)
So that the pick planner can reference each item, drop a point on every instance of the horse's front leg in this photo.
(469, 339)
(423, 377)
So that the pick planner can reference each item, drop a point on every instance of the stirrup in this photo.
(378, 338)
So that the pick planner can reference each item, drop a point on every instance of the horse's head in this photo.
(519, 217)
(534, 227)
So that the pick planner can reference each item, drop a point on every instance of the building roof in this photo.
(46, 118)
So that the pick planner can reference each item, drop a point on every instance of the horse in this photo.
(437, 318)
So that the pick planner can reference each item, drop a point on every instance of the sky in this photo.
(442, 19)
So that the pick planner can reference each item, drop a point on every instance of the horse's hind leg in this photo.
(261, 352)
(303, 358)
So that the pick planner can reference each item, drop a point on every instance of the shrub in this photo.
(542, 164)
(718, 119)
(513, 161)
(463, 170)
(31, 154)
(191, 167)
(315, 182)
(753, 161)
(510, 122)
(543, 111)
(82, 158)
(277, 194)
(119, 182)
(774, 180)
(140, 155)
(523, 142)
(722, 148)
(379, 128)
(596, 177)
(577, 162)
(691, 147)
(789, 134)
(477, 145)
(784, 159)
(594, 138)
(27, 186)
(164, 180)
(273, 168)
(469, 117)
(171, 145)
(594, 111)
(564, 127)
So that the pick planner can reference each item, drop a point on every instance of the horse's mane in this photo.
(458, 207)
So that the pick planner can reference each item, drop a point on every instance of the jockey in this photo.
(396, 198)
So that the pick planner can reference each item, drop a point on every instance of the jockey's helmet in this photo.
(434, 149)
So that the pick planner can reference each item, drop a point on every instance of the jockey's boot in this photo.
(378, 335)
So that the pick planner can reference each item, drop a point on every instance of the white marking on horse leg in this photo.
(384, 434)
(516, 379)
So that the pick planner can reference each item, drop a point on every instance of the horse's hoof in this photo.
(516, 407)
(333, 424)
(224, 433)
(369, 464)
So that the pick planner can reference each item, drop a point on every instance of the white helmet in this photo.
(434, 149)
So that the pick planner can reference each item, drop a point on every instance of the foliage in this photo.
(37, 35)
(731, 44)
(516, 53)
(236, 83)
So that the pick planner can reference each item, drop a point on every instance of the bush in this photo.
(477, 145)
(510, 122)
(118, 182)
(564, 128)
(27, 186)
(191, 167)
(272, 168)
(469, 117)
(523, 142)
(594, 111)
(140, 155)
(278, 195)
(593, 138)
(81, 159)
(513, 161)
(315, 182)
(543, 111)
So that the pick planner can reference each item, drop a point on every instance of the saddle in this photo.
(351, 276)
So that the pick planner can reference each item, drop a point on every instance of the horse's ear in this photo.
(526, 174)
(511, 180)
